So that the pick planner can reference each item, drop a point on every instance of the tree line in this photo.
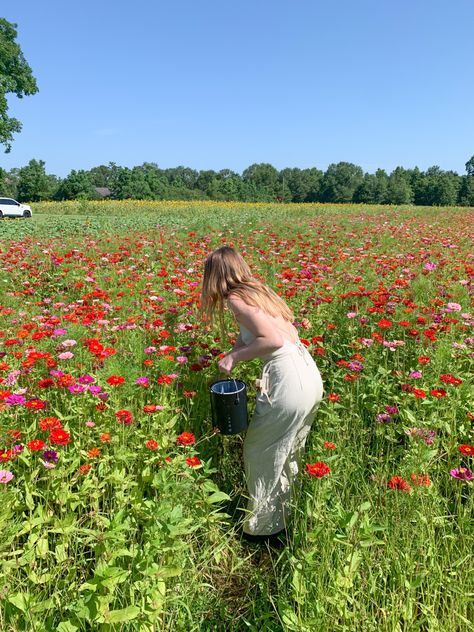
(342, 182)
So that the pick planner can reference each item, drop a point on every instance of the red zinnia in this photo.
(193, 461)
(104, 437)
(115, 380)
(85, 468)
(329, 445)
(419, 392)
(149, 408)
(450, 379)
(467, 450)
(423, 360)
(165, 379)
(438, 392)
(50, 423)
(152, 444)
(35, 404)
(318, 469)
(36, 444)
(397, 482)
(186, 438)
(46, 383)
(124, 417)
(59, 437)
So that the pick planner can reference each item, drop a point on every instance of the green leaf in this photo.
(42, 546)
(120, 616)
(217, 497)
(169, 571)
(290, 619)
(156, 597)
(66, 626)
(20, 600)
(60, 553)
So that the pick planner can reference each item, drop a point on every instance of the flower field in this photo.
(121, 504)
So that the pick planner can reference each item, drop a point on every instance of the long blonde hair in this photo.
(226, 273)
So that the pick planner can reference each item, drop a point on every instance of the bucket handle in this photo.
(236, 401)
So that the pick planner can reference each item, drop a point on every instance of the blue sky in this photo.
(216, 84)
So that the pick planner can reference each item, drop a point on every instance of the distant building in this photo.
(103, 192)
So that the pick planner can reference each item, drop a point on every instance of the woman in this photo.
(290, 386)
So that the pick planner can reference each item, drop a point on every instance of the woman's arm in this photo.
(267, 339)
(239, 343)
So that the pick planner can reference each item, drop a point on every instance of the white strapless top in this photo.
(288, 346)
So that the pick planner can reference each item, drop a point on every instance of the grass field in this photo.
(120, 505)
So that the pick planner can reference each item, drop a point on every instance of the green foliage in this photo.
(33, 184)
(340, 182)
(466, 191)
(16, 78)
(470, 166)
(77, 185)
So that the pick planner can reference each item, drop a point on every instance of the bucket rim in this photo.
(227, 380)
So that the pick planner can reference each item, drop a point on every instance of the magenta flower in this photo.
(56, 373)
(76, 388)
(142, 381)
(15, 400)
(462, 473)
(86, 379)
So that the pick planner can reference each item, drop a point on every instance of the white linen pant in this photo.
(291, 390)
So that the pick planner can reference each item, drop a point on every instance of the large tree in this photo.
(33, 183)
(340, 182)
(470, 166)
(15, 77)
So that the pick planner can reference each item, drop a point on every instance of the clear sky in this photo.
(216, 84)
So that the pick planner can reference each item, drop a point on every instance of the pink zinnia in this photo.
(67, 355)
(462, 473)
(5, 476)
(453, 307)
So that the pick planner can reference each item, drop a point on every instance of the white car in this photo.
(12, 208)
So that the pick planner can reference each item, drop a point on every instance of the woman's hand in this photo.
(227, 363)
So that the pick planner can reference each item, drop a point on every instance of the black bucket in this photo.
(229, 405)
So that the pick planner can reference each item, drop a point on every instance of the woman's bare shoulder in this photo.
(237, 304)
